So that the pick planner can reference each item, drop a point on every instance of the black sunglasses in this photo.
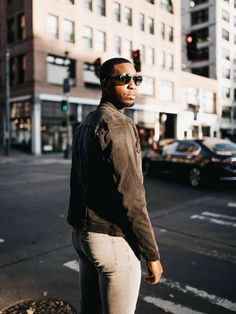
(125, 78)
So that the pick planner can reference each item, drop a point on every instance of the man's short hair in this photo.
(107, 67)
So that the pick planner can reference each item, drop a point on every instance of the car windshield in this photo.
(221, 147)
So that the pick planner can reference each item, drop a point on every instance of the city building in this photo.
(212, 25)
(46, 38)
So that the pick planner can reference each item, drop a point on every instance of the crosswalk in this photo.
(216, 218)
(171, 306)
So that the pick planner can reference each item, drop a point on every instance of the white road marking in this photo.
(73, 265)
(2, 240)
(216, 215)
(231, 204)
(170, 306)
(214, 220)
(227, 304)
(176, 308)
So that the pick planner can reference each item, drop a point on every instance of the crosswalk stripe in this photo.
(227, 304)
(74, 265)
(170, 306)
(216, 215)
(231, 204)
(214, 220)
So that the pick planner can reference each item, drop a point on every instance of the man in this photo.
(107, 201)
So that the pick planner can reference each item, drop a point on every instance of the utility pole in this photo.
(7, 131)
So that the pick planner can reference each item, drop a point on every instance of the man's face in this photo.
(120, 94)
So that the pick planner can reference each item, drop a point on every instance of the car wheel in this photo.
(195, 177)
(146, 168)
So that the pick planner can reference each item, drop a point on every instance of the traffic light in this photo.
(71, 69)
(64, 105)
(97, 67)
(136, 60)
(191, 42)
(66, 85)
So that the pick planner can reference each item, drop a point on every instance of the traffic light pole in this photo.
(7, 137)
(67, 153)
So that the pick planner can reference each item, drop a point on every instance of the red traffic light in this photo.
(189, 39)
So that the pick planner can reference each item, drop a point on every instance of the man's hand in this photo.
(154, 272)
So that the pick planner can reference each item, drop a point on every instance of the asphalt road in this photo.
(195, 230)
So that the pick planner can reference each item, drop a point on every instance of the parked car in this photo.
(197, 160)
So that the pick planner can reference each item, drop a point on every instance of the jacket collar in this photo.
(108, 104)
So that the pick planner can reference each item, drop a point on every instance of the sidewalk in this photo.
(17, 156)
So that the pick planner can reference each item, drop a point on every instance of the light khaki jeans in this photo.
(110, 273)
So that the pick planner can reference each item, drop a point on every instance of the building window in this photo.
(128, 16)
(52, 27)
(88, 4)
(170, 33)
(141, 22)
(226, 53)
(235, 39)
(69, 31)
(21, 26)
(226, 73)
(12, 70)
(226, 112)
(225, 16)
(226, 92)
(200, 16)
(100, 41)
(162, 59)
(147, 87)
(170, 62)
(208, 101)
(127, 48)
(225, 34)
(150, 25)
(166, 90)
(150, 1)
(234, 75)
(117, 45)
(163, 30)
(117, 10)
(167, 6)
(193, 3)
(150, 56)
(21, 67)
(190, 96)
(234, 94)
(202, 54)
(203, 71)
(10, 30)
(202, 34)
(88, 37)
(142, 52)
(71, 1)
(101, 7)
(57, 69)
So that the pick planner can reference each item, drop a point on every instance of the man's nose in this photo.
(132, 84)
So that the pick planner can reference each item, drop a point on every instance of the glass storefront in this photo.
(21, 125)
(53, 126)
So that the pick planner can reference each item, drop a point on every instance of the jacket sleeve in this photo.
(126, 159)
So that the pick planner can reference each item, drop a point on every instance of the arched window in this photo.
(167, 6)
